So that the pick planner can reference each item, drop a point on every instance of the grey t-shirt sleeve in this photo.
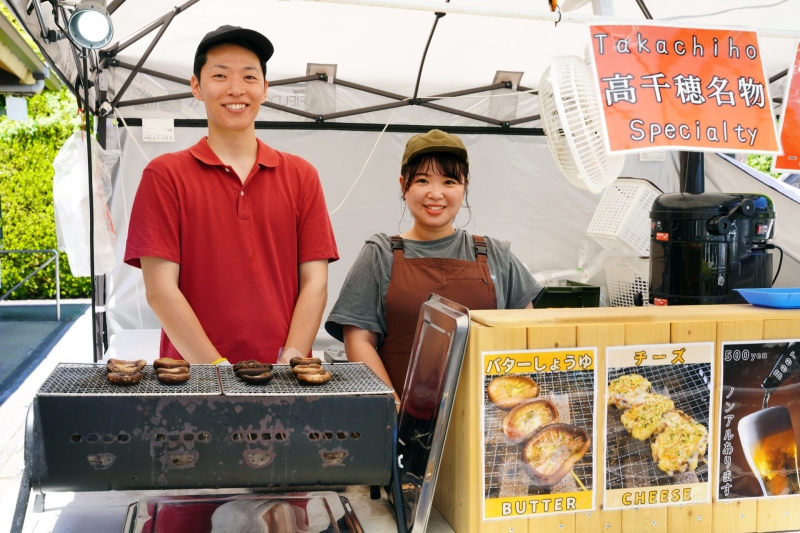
(518, 286)
(361, 300)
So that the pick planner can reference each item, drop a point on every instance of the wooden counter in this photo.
(458, 491)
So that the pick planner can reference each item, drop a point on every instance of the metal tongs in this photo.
(786, 365)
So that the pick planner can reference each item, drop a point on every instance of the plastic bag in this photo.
(71, 205)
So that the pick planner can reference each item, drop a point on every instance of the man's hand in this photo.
(176, 315)
(287, 354)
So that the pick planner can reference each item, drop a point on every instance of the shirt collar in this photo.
(266, 156)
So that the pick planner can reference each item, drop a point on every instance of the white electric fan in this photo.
(570, 111)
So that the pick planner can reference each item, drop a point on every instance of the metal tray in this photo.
(314, 512)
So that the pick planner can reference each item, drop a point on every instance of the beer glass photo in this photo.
(770, 447)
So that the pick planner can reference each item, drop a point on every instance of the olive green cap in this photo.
(434, 141)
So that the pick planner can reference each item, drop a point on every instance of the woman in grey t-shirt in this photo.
(377, 310)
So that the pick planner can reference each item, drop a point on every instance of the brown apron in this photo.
(413, 280)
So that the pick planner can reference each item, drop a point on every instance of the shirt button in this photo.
(227, 169)
(242, 193)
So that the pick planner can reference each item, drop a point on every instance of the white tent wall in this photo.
(516, 194)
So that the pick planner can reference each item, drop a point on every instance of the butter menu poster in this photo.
(657, 425)
(538, 432)
(759, 419)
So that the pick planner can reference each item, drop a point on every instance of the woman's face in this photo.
(433, 200)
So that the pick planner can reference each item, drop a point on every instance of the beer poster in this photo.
(538, 432)
(682, 88)
(759, 420)
(657, 425)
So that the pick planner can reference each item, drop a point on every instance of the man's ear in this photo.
(266, 86)
(195, 83)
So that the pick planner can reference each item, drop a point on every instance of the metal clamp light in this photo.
(90, 25)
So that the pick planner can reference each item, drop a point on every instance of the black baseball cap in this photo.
(261, 46)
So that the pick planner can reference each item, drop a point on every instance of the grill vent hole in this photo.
(93, 437)
(174, 437)
(188, 437)
(266, 436)
(341, 435)
(280, 436)
(160, 437)
(108, 438)
(237, 436)
(313, 436)
(204, 437)
(76, 438)
(328, 435)
(123, 437)
(252, 436)
(355, 435)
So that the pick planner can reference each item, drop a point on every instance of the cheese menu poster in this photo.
(759, 419)
(538, 431)
(657, 425)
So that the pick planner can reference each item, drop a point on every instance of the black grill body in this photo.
(214, 431)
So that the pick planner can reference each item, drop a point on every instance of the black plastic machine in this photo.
(705, 245)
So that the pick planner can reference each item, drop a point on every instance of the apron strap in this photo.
(481, 255)
(397, 246)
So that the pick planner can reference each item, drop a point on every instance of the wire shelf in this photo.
(573, 395)
(72, 379)
(346, 378)
(629, 461)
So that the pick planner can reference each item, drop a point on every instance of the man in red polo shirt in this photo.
(233, 237)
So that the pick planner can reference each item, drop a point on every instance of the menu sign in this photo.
(657, 414)
(689, 88)
(790, 122)
(538, 430)
(759, 419)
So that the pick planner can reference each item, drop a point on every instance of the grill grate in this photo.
(352, 378)
(630, 461)
(70, 379)
(573, 395)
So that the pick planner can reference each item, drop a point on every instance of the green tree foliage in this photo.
(762, 163)
(27, 150)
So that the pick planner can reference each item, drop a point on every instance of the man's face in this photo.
(232, 87)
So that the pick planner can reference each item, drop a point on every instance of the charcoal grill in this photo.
(630, 461)
(214, 431)
(573, 394)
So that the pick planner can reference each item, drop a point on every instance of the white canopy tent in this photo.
(517, 192)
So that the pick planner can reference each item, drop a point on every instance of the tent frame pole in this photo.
(164, 25)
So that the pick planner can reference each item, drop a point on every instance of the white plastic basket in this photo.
(622, 219)
(570, 111)
(626, 277)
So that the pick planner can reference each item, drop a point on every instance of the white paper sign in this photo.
(17, 108)
(159, 130)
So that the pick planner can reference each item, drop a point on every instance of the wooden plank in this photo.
(695, 518)
(552, 337)
(782, 329)
(737, 516)
(629, 315)
(650, 520)
(601, 337)
(779, 514)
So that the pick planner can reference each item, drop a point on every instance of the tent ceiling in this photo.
(382, 47)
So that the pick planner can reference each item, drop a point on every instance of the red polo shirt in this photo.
(239, 246)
